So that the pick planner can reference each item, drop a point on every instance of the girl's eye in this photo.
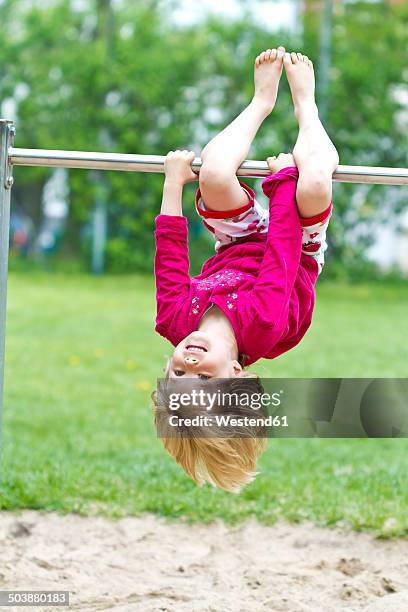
(178, 372)
(204, 376)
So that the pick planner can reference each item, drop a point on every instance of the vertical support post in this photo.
(7, 131)
(299, 27)
(106, 32)
(324, 60)
(99, 223)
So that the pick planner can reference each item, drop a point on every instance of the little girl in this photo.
(255, 297)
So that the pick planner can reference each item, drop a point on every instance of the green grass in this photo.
(82, 358)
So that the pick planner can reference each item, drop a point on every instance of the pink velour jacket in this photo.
(263, 283)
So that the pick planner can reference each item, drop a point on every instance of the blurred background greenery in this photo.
(144, 77)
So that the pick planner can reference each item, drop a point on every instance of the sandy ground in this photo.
(151, 564)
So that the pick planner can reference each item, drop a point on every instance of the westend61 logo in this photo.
(284, 407)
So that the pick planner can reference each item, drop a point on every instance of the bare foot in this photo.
(267, 72)
(301, 78)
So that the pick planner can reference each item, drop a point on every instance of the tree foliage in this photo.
(125, 78)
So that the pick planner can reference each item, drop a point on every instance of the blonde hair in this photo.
(224, 461)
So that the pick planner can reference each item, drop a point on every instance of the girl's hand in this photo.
(177, 166)
(282, 161)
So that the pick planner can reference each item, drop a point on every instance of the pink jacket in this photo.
(264, 284)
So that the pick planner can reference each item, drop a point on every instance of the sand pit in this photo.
(151, 564)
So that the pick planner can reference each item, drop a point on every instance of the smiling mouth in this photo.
(194, 348)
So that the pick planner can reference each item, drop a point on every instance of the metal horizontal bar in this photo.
(155, 163)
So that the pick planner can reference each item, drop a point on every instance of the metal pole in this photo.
(99, 230)
(324, 61)
(7, 131)
(105, 30)
(155, 163)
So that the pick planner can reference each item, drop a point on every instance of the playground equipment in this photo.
(10, 156)
(155, 163)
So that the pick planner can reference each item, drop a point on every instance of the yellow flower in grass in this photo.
(99, 352)
(130, 364)
(144, 385)
(74, 360)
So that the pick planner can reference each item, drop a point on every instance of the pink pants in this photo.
(252, 218)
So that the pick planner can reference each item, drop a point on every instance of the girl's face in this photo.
(203, 355)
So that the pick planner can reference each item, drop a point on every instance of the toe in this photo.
(287, 60)
(281, 53)
(274, 53)
(294, 57)
(300, 57)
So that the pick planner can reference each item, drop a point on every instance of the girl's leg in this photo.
(315, 155)
(222, 156)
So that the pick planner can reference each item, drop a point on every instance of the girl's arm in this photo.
(171, 262)
(171, 267)
(172, 197)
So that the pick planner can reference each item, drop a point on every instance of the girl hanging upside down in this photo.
(255, 297)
